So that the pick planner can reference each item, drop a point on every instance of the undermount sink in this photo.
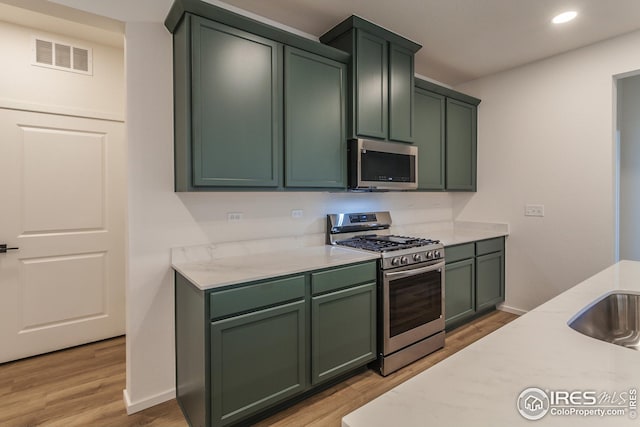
(614, 318)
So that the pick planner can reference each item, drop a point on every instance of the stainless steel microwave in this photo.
(379, 165)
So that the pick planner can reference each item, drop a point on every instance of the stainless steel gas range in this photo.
(410, 286)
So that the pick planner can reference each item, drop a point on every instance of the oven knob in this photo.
(395, 261)
(417, 257)
(436, 254)
(404, 260)
(429, 255)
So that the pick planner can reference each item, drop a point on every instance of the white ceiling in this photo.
(462, 39)
(54, 18)
(466, 39)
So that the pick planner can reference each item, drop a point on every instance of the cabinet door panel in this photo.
(315, 111)
(371, 85)
(257, 360)
(401, 92)
(237, 107)
(343, 326)
(490, 280)
(461, 146)
(430, 139)
(459, 290)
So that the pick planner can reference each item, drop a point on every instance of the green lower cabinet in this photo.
(459, 290)
(343, 330)
(257, 359)
(474, 280)
(490, 280)
(242, 350)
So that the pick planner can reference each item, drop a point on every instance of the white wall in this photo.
(546, 136)
(629, 127)
(23, 85)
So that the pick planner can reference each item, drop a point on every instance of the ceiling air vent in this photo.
(62, 56)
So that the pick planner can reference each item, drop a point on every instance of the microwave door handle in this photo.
(413, 272)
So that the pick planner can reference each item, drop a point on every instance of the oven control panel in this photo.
(397, 259)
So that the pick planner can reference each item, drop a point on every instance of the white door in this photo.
(62, 203)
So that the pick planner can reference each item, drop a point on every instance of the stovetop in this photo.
(369, 231)
(385, 243)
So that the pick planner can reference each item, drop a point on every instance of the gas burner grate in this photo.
(377, 243)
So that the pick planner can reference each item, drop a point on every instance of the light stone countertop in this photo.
(480, 385)
(217, 265)
(453, 234)
(226, 271)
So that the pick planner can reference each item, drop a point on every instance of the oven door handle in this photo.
(413, 272)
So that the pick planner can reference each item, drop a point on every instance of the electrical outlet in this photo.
(533, 210)
(297, 213)
(234, 216)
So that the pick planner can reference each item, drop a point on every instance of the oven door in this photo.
(413, 305)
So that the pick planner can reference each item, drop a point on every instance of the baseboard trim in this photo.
(140, 405)
(512, 310)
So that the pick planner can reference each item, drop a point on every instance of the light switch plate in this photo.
(297, 213)
(234, 216)
(533, 210)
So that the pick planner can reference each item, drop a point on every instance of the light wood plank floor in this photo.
(83, 386)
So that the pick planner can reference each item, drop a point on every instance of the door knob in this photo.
(4, 248)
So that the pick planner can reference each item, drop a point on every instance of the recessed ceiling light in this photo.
(564, 17)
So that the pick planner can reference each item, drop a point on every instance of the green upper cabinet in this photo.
(430, 139)
(446, 127)
(234, 90)
(381, 76)
(461, 146)
(237, 107)
(371, 85)
(315, 130)
(401, 100)
(490, 270)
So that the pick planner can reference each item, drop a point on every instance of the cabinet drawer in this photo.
(458, 252)
(337, 278)
(489, 246)
(232, 301)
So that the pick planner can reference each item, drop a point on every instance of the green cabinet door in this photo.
(236, 107)
(430, 139)
(257, 360)
(461, 129)
(371, 85)
(490, 280)
(401, 94)
(459, 291)
(315, 117)
(343, 331)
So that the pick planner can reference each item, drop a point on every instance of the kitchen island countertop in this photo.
(480, 385)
